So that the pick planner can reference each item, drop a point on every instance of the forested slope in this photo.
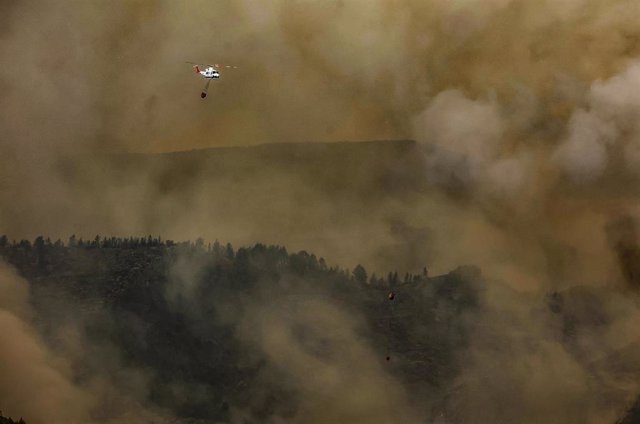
(202, 331)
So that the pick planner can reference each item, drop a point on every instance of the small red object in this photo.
(392, 295)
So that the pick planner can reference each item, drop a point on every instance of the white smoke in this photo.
(608, 123)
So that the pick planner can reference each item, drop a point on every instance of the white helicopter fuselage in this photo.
(209, 72)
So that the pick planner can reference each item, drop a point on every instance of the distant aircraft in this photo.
(209, 72)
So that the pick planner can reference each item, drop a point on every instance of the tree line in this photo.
(37, 253)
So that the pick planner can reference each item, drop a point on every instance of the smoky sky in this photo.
(308, 70)
(525, 113)
(526, 109)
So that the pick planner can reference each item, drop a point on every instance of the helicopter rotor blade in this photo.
(220, 65)
(215, 65)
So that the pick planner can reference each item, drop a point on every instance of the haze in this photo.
(524, 115)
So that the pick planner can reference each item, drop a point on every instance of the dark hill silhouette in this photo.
(364, 169)
(9, 420)
(173, 312)
(130, 294)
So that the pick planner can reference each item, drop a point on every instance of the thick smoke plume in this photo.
(526, 111)
(316, 350)
(40, 377)
(34, 381)
(516, 100)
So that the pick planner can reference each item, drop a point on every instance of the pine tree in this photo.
(360, 274)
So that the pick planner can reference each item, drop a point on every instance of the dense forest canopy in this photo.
(181, 293)
(4, 420)
(209, 331)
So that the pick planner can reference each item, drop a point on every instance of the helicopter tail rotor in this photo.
(196, 67)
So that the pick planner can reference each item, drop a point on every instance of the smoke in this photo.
(526, 112)
(305, 349)
(574, 362)
(34, 383)
(623, 237)
(499, 92)
(316, 351)
(607, 125)
(52, 372)
(466, 135)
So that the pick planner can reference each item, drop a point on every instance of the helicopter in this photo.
(209, 72)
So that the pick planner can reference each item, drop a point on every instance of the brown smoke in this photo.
(512, 96)
(527, 111)
(314, 348)
(34, 383)
(39, 378)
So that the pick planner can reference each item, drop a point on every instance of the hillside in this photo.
(4, 420)
(349, 202)
(202, 331)
(170, 311)
(389, 165)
